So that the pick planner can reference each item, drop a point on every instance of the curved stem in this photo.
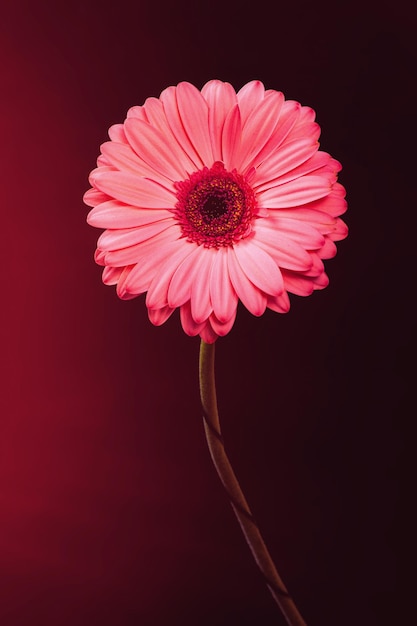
(232, 487)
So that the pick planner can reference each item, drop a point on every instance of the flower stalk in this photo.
(233, 490)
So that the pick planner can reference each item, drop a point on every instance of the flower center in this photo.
(215, 207)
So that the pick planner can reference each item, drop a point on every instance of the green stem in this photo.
(232, 487)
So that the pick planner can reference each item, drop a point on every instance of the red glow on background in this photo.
(111, 512)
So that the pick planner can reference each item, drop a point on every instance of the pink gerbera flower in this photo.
(213, 197)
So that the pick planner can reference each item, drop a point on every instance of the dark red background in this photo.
(111, 512)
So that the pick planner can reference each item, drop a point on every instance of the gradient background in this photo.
(110, 510)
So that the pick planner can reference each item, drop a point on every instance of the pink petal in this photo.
(137, 113)
(157, 295)
(221, 98)
(259, 267)
(319, 220)
(313, 164)
(305, 125)
(288, 116)
(334, 204)
(159, 316)
(317, 267)
(307, 116)
(299, 131)
(193, 110)
(280, 303)
(231, 138)
(201, 305)
(321, 282)
(120, 289)
(150, 247)
(286, 252)
(286, 158)
(300, 231)
(92, 197)
(190, 327)
(114, 214)
(117, 133)
(126, 237)
(259, 127)
(152, 146)
(288, 119)
(305, 120)
(186, 273)
(222, 294)
(295, 192)
(248, 97)
(327, 171)
(222, 328)
(124, 295)
(335, 166)
(103, 161)
(122, 157)
(134, 190)
(339, 190)
(298, 284)
(329, 250)
(340, 231)
(207, 333)
(124, 256)
(111, 275)
(149, 261)
(156, 114)
(99, 257)
(253, 299)
(100, 170)
(169, 101)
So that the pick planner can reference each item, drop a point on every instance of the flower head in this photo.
(213, 197)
